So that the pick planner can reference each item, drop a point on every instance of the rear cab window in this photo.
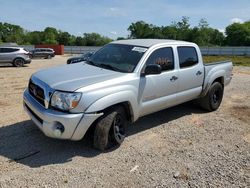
(187, 56)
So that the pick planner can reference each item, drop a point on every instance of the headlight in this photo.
(64, 100)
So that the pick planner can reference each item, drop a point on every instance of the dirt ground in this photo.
(178, 147)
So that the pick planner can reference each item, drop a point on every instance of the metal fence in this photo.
(227, 51)
(80, 49)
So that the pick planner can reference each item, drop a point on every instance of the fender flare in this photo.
(211, 78)
(113, 99)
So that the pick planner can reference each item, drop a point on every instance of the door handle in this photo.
(198, 73)
(173, 78)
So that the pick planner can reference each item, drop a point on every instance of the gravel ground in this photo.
(178, 147)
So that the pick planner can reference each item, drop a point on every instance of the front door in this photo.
(157, 92)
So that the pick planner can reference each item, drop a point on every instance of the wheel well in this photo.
(127, 107)
(220, 80)
(18, 58)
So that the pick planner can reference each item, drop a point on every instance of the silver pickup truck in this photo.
(121, 82)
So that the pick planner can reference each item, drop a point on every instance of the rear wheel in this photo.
(110, 129)
(212, 100)
(19, 62)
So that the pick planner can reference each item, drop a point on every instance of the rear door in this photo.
(37, 53)
(191, 73)
(6, 54)
(159, 91)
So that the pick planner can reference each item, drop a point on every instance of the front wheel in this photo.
(212, 100)
(110, 129)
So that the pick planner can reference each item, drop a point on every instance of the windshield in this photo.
(118, 57)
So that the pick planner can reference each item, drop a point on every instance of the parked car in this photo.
(17, 56)
(122, 81)
(47, 53)
(83, 57)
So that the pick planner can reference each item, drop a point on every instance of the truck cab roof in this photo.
(151, 42)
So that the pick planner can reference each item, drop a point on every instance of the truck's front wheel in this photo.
(212, 100)
(110, 129)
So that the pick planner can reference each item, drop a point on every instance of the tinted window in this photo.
(164, 57)
(8, 50)
(187, 56)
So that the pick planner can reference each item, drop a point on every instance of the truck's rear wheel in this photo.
(110, 129)
(212, 100)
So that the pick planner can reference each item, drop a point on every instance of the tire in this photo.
(110, 129)
(18, 62)
(212, 100)
(48, 57)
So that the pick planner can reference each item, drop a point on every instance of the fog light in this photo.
(58, 130)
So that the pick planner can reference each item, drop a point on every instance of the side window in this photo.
(8, 50)
(163, 57)
(13, 49)
(187, 56)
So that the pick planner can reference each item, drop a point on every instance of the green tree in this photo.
(169, 32)
(95, 39)
(50, 36)
(238, 34)
(34, 37)
(141, 29)
(120, 38)
(64, 38)
(183, 30)
(11, 33)
(80, 41)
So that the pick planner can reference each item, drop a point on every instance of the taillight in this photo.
(27, 54)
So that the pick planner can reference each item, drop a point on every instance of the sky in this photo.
(112, 17)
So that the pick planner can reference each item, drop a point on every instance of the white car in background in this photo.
(17, 56)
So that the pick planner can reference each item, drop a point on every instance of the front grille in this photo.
(37, 92)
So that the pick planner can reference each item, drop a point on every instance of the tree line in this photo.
(236, 34)
(13, 33)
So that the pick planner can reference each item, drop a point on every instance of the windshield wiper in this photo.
(91, 63)
(102, 65)
(109, 67)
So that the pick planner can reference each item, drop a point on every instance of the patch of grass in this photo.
(237, 60)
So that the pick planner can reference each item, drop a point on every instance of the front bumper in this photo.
(48, 120)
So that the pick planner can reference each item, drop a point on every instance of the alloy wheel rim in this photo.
(118, 125)
(216, 96)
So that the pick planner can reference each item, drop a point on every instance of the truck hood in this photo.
(74, 76)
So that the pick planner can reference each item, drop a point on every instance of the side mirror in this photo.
(152, 69)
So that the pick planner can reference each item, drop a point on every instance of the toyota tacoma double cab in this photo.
(120, 83)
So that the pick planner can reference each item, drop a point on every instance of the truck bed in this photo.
(216, 63)
(218, 69)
